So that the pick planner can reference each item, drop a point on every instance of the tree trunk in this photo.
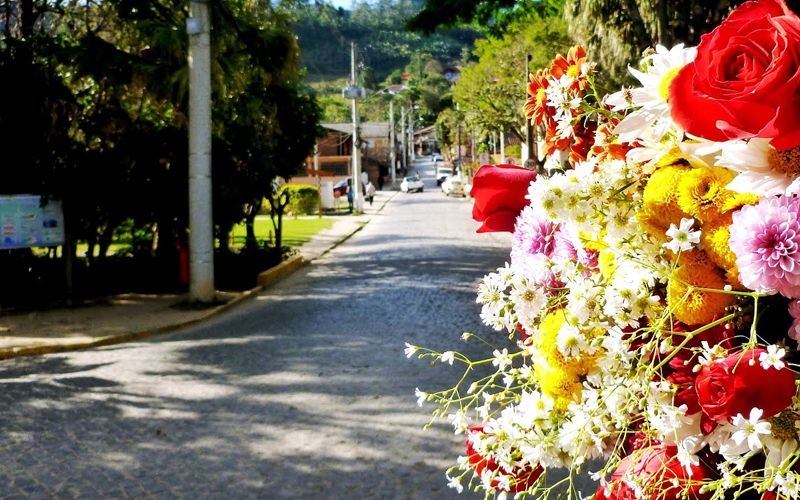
(251, 210)
(665, 38)
(223, 235)
(278, 206)
(105, 239)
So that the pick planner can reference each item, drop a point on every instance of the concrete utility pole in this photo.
(201, 231)
(411, 152)
(392, 139)
(358, 198)
(404, 137)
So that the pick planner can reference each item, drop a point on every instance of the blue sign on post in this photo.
(25, 223)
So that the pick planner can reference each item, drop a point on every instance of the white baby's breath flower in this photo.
(687, 460)
(772, 358)
(421, 396)
(501, 359)
(448, 357)
(455, 483)
(788, 484)
(748, 429)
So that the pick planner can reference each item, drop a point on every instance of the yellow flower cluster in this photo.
(560, 377)
(694, 190)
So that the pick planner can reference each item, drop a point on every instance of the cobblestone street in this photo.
(302, 393)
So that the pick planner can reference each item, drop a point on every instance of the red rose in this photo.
(499, 192)
(738, 383)
(520, 479)
(744, 81)
(659, 473)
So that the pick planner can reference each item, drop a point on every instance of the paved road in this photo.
(301, 393)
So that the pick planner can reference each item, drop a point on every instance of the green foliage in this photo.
(494, 16)
(616, 32)
(513, 151)
(303, 199)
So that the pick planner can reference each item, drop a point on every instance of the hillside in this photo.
(325, 34)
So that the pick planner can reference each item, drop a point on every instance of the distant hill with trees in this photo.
(386, 53)
(324, 34)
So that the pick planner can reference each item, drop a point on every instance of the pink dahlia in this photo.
(532, 247)
(766, 240)
(569, 250)
(533, 235)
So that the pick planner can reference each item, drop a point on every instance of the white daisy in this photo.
(748, 429)
(651, 98)
(762, 169)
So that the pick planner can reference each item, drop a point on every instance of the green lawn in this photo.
(295, 231)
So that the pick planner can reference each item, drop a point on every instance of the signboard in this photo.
(24, 224)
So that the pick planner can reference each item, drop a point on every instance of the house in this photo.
(425, 141)
(334, 152)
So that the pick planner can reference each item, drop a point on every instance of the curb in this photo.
(264, 280)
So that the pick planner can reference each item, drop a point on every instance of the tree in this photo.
(494, 16)
(100, 90)
(492, 92)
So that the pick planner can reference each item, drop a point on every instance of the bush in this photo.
(303, 199)
(513, 151)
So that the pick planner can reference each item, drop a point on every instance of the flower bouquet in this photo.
(653, 291)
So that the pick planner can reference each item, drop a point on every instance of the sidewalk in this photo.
(131, 316)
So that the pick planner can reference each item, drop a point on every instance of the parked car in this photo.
(436, 157)
(443, 169)
(453, 185)
(340, 188)
(413, 183)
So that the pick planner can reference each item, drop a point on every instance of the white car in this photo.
(412, 184)
(453, 185)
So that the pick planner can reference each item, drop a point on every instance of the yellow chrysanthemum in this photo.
(701, 193)
(698, 306)
(697, 258)
(607, 263)
(562, 387)
(714, 237)
(559, 377)
(548, 348)
(733, 279)
(660, 203)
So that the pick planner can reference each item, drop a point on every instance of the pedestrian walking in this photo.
(380, 183)
(370, 192)
(350, 195)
